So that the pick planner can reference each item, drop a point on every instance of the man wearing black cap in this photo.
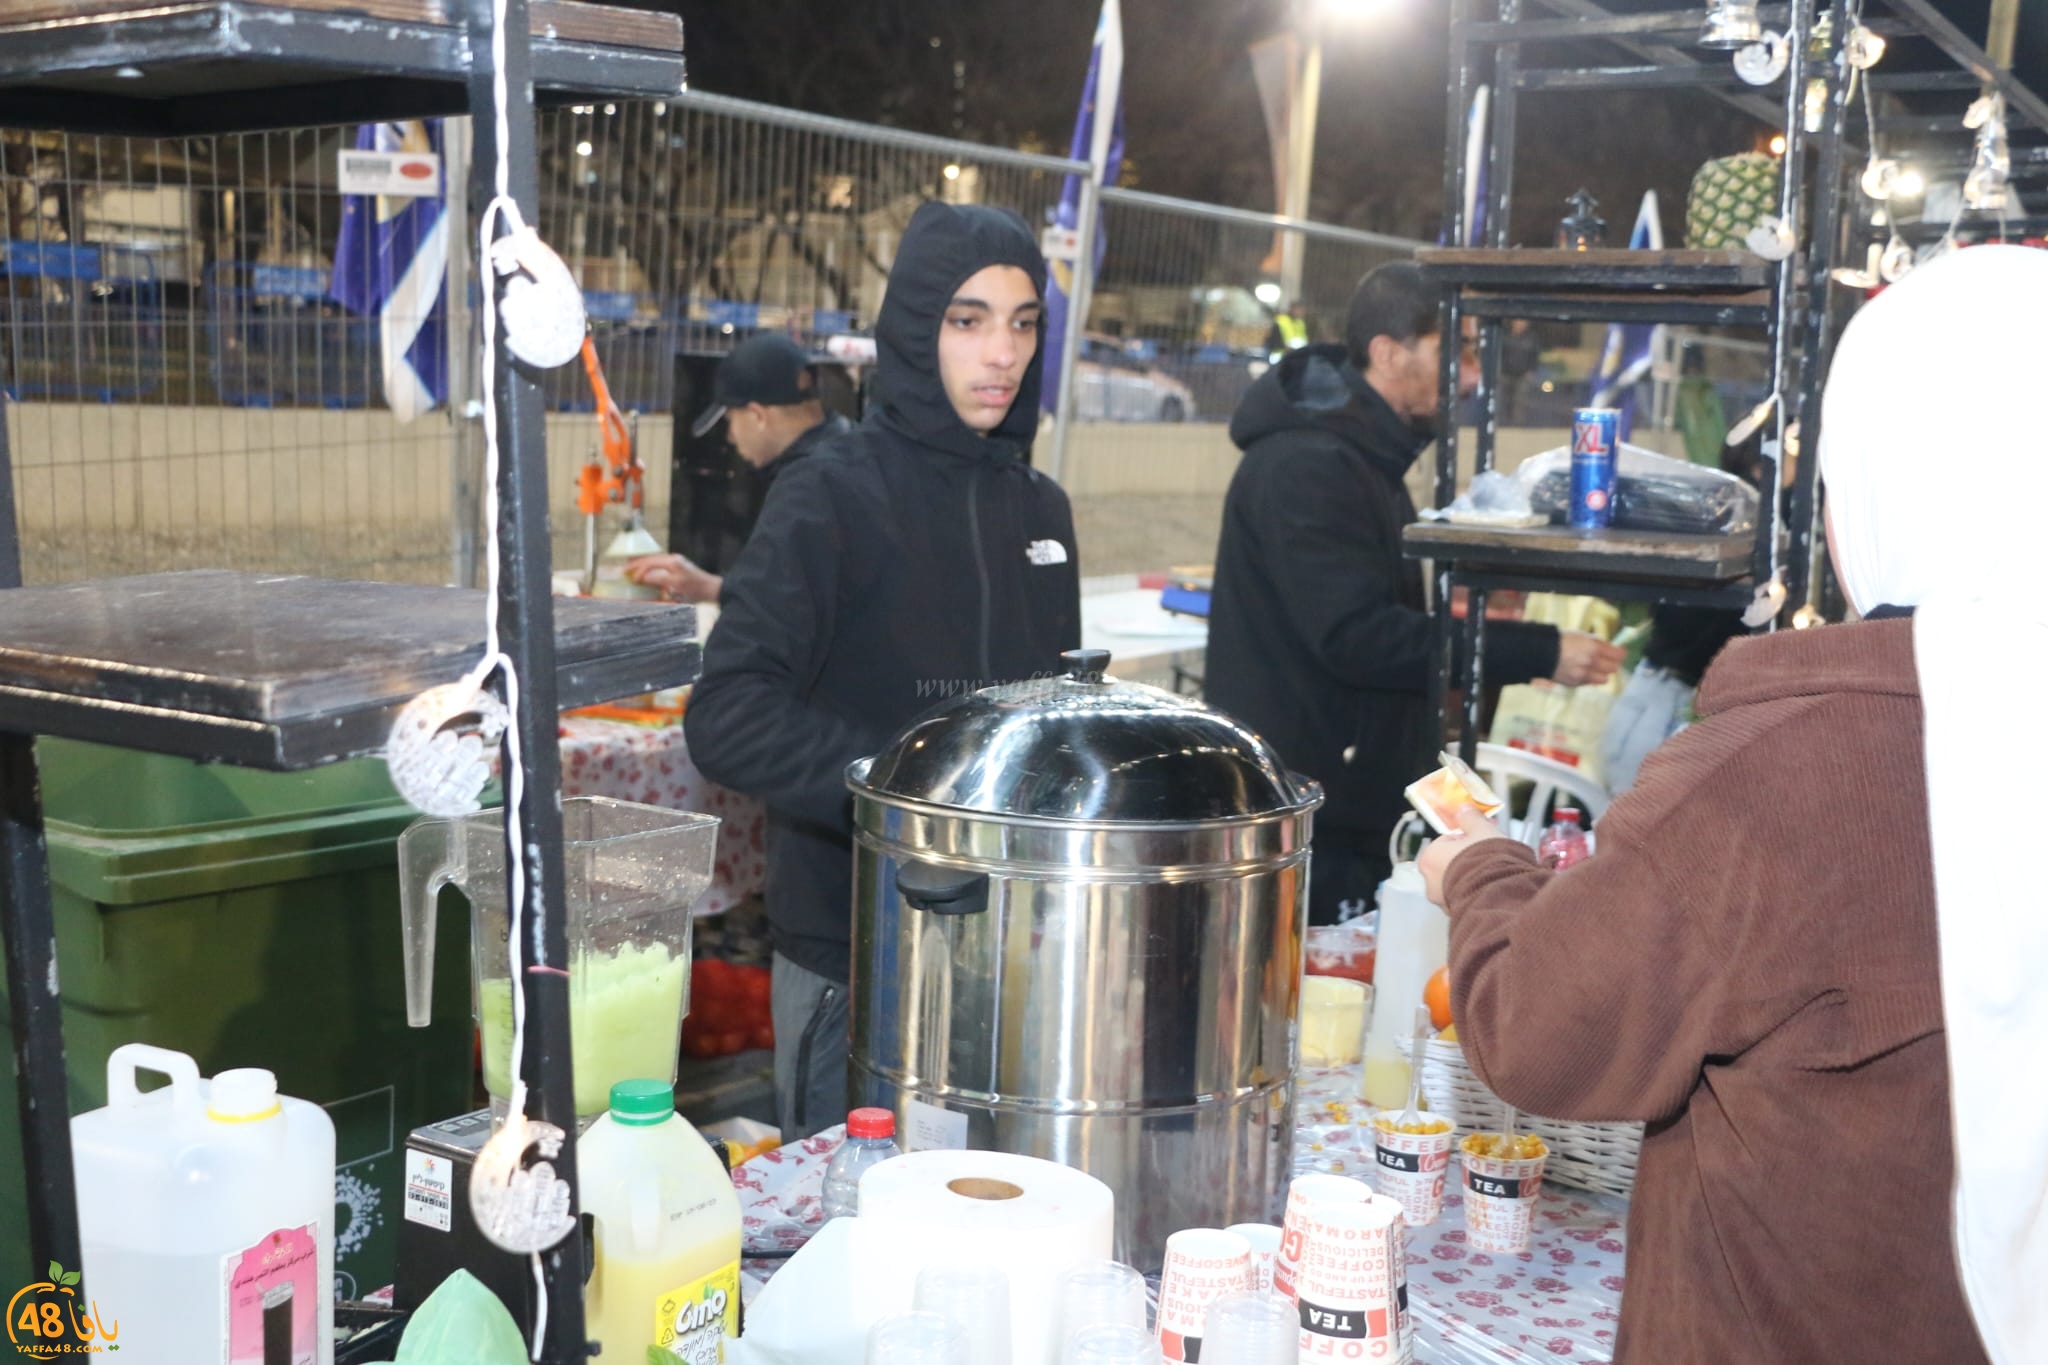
(918, 558)
(767, 394)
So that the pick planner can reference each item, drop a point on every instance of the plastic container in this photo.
(1564, 842)
(206, 1214)
(666, 1246)
(870, 1140)
(1414, 942)
(249, 919)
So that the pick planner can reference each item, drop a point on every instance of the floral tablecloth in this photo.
(1559, 1301)
(651, 764)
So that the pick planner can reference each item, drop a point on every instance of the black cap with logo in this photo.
(767, 368)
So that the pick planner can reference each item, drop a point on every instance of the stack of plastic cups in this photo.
(1253, 1328)
(918, 1339)
(1098, 1294)
(977, 1299)
(1104, 1344)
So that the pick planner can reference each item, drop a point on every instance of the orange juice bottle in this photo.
(666, 1251)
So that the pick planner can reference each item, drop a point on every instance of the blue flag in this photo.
(1098, 140)
(1625, 359)
(390, 263)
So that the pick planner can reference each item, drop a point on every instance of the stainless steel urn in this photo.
(1078, 917)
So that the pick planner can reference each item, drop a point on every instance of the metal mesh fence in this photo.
(188, 389)
(1181, 323)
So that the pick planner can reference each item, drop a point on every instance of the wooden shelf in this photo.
(1552, 270)
(1566, 552)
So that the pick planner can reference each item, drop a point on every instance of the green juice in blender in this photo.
(625, 1015)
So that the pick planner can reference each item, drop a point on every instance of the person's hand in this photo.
(1583, 659)
(1435, 862)
(678, 579)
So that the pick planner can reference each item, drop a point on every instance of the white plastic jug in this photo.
(1414, 942)
(206, 1212)
(666, 1252)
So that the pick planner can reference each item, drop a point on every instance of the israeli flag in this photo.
(1098, 139)
(1625, 358)
(390, 263)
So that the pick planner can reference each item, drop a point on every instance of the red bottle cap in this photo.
(1567, 815)
(871, 1123)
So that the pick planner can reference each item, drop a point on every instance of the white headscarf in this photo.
(1934, 448)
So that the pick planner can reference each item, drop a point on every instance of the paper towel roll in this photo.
(1031, 1219)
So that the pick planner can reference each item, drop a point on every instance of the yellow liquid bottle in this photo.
(666, 1250)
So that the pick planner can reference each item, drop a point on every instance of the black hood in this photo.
(943, 247)
(1315, 388)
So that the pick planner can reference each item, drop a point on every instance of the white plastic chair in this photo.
(1548, 779)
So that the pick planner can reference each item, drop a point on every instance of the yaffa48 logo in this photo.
(46, 1318)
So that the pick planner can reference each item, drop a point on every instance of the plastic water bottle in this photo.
(1564, 843)
(870, 1139)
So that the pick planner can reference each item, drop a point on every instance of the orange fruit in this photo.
(1437, 995)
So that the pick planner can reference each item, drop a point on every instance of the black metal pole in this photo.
(1457, 110)
(1785, 288)
(34, 1011)
(526, 633)
(35, 1014)
(1829, 194)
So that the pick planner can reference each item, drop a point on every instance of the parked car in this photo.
(1120, 384)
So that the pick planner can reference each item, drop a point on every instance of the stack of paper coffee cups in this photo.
(1342, 1260)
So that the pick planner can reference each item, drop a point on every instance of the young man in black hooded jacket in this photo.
(916, 558)
(1318, 637)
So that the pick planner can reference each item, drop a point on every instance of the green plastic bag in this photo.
(461, 1323)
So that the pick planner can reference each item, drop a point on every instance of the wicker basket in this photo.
(1586, 1156)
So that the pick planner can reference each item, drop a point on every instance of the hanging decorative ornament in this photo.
(1764, 607)
(1731, 24)
(1772, 238)
(1897, 261)
(1761, 63)
(1751, 423)
(519, 1207)
(440, 746)
(1866, 278)
(1984, 188)
(1862, 48)
(1880, 176)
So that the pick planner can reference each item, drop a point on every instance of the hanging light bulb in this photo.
(1731, 24)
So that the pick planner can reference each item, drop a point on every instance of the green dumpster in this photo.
(249, 919)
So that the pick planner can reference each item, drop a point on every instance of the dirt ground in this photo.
(1122, 533)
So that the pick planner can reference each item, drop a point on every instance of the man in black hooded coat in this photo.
(1318, 634)
(916, 558)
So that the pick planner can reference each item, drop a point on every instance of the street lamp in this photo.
(1304, 95)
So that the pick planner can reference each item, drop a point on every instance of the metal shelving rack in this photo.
(291, 672)
(1790, 300)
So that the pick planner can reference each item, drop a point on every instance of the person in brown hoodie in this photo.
(1752, 963)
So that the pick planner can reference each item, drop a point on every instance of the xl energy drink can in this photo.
(1594, 443)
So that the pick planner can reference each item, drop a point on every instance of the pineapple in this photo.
(1730, 196)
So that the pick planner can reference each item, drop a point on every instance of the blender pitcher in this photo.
(631, 874)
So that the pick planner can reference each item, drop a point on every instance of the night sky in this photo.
(1009, 72)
